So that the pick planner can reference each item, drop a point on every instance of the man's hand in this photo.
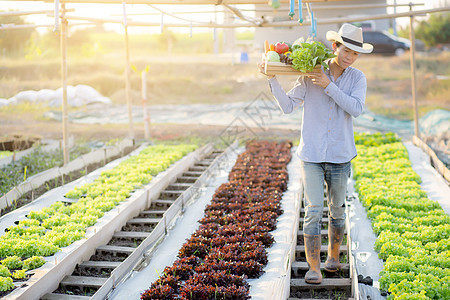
(261, 67)
(319, 78)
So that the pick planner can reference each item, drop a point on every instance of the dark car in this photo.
(386, 43)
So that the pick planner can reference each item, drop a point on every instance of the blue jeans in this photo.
(315, 175)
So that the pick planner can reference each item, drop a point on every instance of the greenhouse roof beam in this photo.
(182, 2)
(236, 25)
(267, 24)
(328, 7)
(241, 16)
(24, 26)
(25, 13)
(269, 10)
(171, 14)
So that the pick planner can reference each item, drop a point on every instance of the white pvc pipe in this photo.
(56, 28)
(124, 9)
(412, 52)
(144, 105)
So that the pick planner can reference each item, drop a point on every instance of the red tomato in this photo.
(281, 48)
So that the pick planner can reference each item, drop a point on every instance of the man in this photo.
(330, 99)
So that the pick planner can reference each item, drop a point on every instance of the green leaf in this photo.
(6, 284)
(308, 55)
(320, 53)
(306, 45)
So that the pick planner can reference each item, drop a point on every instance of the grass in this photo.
(5, 154)
(37, 161)
(34, 109)
(173, 82)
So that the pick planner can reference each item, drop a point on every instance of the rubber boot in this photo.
(312, 251)
(335, 236)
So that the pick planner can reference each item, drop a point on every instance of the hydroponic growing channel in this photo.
(413, 231)
(36, 171)
(45, 232)
(231, 247)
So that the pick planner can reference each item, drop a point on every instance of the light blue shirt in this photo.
(327, 127)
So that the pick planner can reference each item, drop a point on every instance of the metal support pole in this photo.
(412, 52)
(144, 105)
(128, 76)
(63, 34)
(56, 16)
(215, 33)
(394, 20)
(233, 45)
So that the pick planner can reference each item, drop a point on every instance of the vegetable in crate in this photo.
(305, 56)
(286, 58)
(281, 47)
(273, 56)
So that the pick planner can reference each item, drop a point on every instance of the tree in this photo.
(436, 30)
(433, 31)
(13, 41)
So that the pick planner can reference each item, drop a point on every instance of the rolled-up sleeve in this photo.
(353, 103)
(292, 99)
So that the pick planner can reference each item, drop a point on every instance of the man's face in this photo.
(345, 56)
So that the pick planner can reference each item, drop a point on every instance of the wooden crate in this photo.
(279, 68)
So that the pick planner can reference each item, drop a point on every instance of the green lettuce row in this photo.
(13, 267)
(6, 284)
(5, 154)
(59, 225)
(413, 232)
(375, 139)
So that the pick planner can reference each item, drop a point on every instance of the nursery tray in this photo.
(279, 68)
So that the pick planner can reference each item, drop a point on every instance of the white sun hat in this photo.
(351, 37)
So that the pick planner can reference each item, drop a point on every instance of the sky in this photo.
(115, 10)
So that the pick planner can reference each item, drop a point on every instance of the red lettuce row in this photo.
(230, 244)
